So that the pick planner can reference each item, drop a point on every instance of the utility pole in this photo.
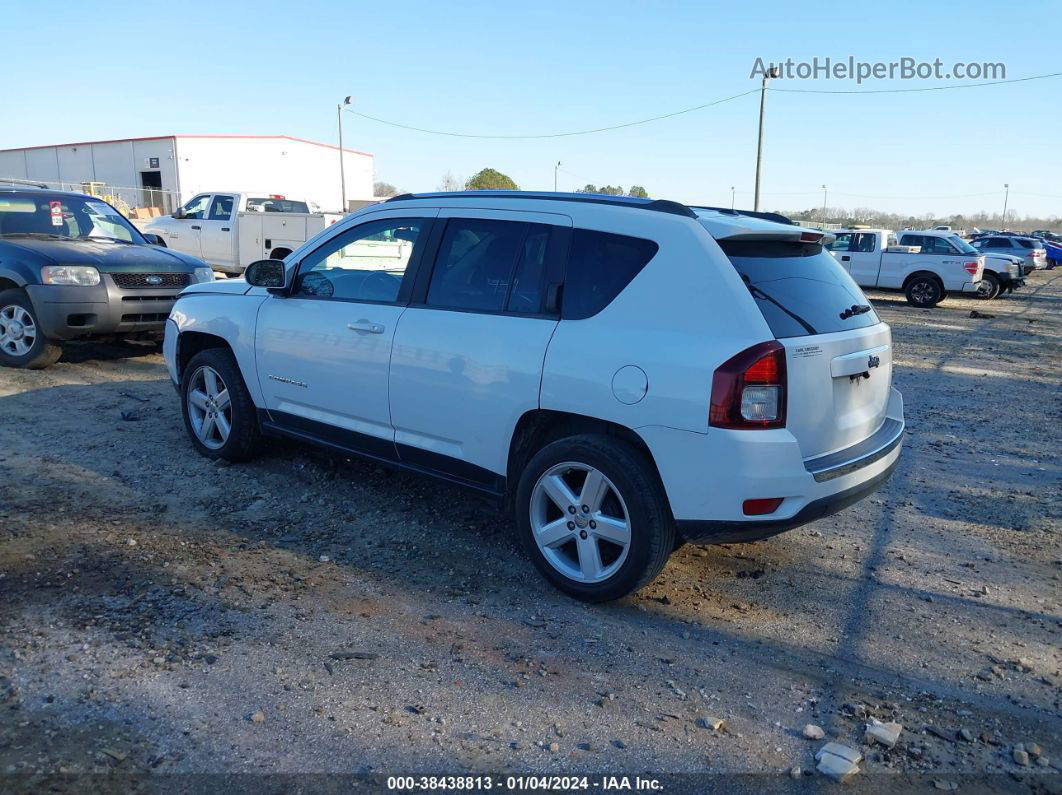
(1006, 198)
(773, 72)
(555, 175)
(731, 197)
(342, 170)
(823, 208)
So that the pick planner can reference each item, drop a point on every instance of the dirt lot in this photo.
(306, 613)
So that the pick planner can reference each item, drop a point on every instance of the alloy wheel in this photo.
(580, 522)
(18, 332)
(209, 407)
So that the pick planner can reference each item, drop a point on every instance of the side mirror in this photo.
(178, 213)
(153, 239)
(267, 273)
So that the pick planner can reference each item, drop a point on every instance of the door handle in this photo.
(365, 325)
(195, 227)
(846, 258)
(225, 229)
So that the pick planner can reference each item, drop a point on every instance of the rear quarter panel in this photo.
(685, 313)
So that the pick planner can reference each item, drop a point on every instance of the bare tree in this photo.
(384, 189)
(450, 183)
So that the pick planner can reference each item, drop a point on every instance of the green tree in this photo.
(489, 179)
(638, 192)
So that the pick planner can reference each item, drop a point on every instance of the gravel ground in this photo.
(310, 614)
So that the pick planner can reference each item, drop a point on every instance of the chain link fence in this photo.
(134, 203)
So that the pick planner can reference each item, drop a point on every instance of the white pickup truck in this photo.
(231, 230)
(925, 265)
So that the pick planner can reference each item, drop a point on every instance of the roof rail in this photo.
(778, 218)
(656, 205)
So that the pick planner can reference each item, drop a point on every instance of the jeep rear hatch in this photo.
(838, 352)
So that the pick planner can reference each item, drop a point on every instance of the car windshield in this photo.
(52, 215)
(271, 205)
(961, 244)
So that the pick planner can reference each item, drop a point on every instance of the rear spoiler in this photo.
(778, 218)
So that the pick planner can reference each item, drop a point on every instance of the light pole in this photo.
(823, 208)
(731, 197)
(1006, 198)
(342, 170)
(555, 175)
(771, 73)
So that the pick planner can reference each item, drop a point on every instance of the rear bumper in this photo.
(69, 312)
(713, 532)
(708, 477)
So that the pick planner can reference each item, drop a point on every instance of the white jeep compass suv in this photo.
(623, 373)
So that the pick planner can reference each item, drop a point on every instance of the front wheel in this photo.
(924, 292)
(219, 415)
(22, 341)
(593, 517)
(989, 287)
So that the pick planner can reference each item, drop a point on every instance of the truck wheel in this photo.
(989, 287)
(593, 517)
(22, 342)
(924, 292)
(219, 415)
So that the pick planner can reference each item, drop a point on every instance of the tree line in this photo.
(492, 179)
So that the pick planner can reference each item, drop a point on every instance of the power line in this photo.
(684, 111)
(560, 134)
(910, 90)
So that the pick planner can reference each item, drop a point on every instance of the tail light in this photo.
(971, 267)
(748, 390)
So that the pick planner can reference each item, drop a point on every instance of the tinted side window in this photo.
(912, 240)
(937, 245)
(865, 242)
(475, 263)
(526, 294)
(600, 265)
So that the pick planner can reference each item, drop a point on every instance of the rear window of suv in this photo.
(800, 288)
(1025, 243)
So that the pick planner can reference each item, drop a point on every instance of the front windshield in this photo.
(961, 245)
(63, 216)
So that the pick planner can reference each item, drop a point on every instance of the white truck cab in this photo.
(230, 230)
(926, 265)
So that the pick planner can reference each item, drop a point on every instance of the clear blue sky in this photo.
(86, 71)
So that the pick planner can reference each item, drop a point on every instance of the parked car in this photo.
(1053, 251)
(72, 266)
(1044, 234)
(229, 230)
(618, 373)
(925, 265)
(1030, 249)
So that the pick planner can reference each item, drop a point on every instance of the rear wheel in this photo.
(989, 287)
(924, 291)
(593, 517)
(219, 415)
(22, 341)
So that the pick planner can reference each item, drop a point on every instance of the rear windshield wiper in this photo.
(758, 293)
(855, 309)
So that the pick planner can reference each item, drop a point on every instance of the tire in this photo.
(924, 291)
(22, 341)
(630, 496)
(214, 374)
(279, 253)
(989, 287)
